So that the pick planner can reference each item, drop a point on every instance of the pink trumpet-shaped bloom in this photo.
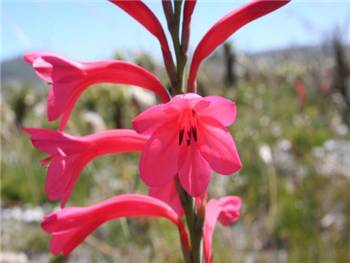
(142, 14)
(70, 226)
(224, 28)
(226, 210)
(68, 155)
(188, 139)
(69, 79)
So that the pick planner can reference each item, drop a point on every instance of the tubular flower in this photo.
(224, 28)
(70, 226)
(68, 155)
(188, 139)
(69, 79)
(226, 210)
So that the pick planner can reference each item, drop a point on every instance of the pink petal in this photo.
(69, 79)
(195, 172)
(211, 216)
(158, 162)
(224, 28)
(156, 116)
(64, 75)
(142, 14)
(217, 146)
(52, 142)
(151, 119)
(69, 154)
(55, 185)
(62, 175)
(66, 241)
(219, 108)
(169, 195)
(186, 101)
(44, 68)
(226, 210)
(70, 226)
(186, 96)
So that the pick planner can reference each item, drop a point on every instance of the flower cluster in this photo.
(180, 140)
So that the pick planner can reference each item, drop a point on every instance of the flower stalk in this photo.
(173, 16)
(193, 219)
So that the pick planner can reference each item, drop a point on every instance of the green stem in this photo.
(194, 222)
(180, 56)
(185, 246)
(197, 240)
(181, 59)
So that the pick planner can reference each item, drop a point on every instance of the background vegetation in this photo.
(292, 133)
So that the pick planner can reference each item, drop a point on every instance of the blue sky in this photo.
(89, 30)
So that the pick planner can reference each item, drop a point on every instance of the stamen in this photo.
(194, 132)
(189, 135)
(181, 136)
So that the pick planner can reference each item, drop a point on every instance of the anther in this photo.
(189, 135)
(194, 132)
(181, 136)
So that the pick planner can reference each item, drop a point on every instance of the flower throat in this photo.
(188, 124)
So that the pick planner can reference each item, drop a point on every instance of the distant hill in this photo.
(305, 51)
(17, 71)
(303, 54)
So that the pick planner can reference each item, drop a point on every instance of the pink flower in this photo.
(70, 226)
(224, 28)
(188, 138)
(69, 79)
(68, 155)
(226, 210)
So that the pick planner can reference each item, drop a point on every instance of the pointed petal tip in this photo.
(47, 220)
(52, 111)
(51, 116)
(27, 130)
(55, 248)
(234, 169)
(238, 165)
(64, 201)
(30, 57)
(51, 196)
(33, 132)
